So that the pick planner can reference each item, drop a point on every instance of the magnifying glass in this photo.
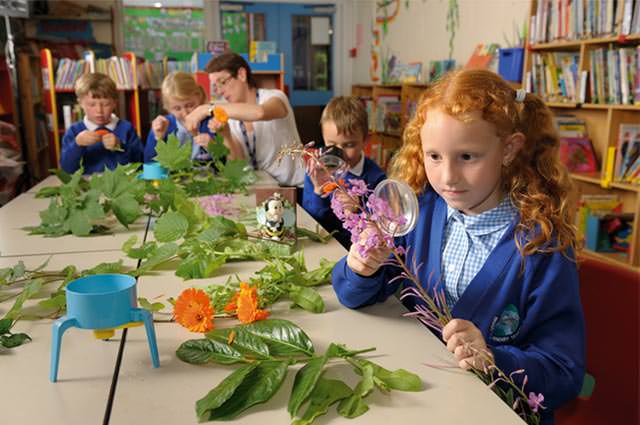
(402, 202)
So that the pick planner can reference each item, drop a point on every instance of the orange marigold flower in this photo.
(220, 115)
(193, 310)
(247, 305)
(232, 304)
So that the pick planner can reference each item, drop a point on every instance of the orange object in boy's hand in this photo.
(220, 115)
(102, 131)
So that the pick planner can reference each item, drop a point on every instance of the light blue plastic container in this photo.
(153, 171)
(101, 302)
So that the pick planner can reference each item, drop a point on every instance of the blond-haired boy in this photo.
(101, 140)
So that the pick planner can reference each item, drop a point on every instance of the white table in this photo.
(86, 364)
(24, 211)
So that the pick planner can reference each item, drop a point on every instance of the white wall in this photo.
(419, 33)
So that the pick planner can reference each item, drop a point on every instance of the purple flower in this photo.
(535, 401)
(218, 205)
(358, 188)
(338, 208)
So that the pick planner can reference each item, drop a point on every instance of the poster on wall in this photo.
(153, 33)
(235, 31)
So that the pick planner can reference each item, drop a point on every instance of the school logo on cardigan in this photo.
(505, 327)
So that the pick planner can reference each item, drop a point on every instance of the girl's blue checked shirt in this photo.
(468, 241)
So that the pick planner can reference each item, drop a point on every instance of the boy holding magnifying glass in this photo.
(344, 126)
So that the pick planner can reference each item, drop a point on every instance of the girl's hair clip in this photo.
(520, 95)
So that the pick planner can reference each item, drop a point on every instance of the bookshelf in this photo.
(34, 121)
(58, 89)
(387, 116)
(557, 31)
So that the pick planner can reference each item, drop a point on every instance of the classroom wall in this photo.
(418, 33)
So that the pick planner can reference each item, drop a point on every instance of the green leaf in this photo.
(126, 209)
(92, 207)
(199, 267)
(14, 340)
(173, 156)
(57, 302)
(160, 255)
(248, 344)
(283, 337)
(398, 379)
(257, 387)
(221, 393)
(200, 351)
(31, 288)
(170, 227)
(144, 303)
(104, 268)
(217, 149)
(192, 211)
(304, 383)
(129, 244)
(220, 227)
(235, 170)
(5, 326)
(48, 192)
(325, 393)
(78, 223)
(307, 298)
(354, 405)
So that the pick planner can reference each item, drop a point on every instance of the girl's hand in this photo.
(368, 265)
(192, 121)
(111, 142)
(466, 343)
(159, 127)
(202, 139)
(88, 138)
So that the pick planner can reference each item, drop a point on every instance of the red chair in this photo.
(610, 298)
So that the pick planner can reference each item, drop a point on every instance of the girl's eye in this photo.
(433, 156)
(467, 156)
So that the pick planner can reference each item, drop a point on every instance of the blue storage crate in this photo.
(510, 63)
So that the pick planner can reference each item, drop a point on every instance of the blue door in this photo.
(303, 32)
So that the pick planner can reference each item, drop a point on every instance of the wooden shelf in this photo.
(603, 125)
(617, 259)
(575, 44)
(587, 177)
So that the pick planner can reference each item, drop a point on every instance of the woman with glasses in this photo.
(261, 121)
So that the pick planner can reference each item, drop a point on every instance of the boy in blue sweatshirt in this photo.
(101, 140)
(344, 125)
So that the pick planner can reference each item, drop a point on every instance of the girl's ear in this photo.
(512, 145)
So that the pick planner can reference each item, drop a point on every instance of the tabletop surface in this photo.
(167, 395)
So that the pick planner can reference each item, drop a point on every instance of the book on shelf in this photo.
(577, 154)
(388, 112)
(259, 51)
(615, 75)
(627, 151)
(573, 20)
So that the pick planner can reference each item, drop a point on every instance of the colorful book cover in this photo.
(578, 155)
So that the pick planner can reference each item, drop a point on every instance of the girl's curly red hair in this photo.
(536, 180)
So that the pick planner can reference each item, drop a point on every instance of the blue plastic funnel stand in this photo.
(101, 302)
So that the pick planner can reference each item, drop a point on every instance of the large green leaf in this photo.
(257, 387)
(126, 209)
(220, 227)
(307, 298)
(221, 393)
(199, 351)
(217, 149)
(304, 383)
(283, 337)
(325, 393)
(399, 379)
(173, 156)
(248, 344)
(170, 227)
(14, 340)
